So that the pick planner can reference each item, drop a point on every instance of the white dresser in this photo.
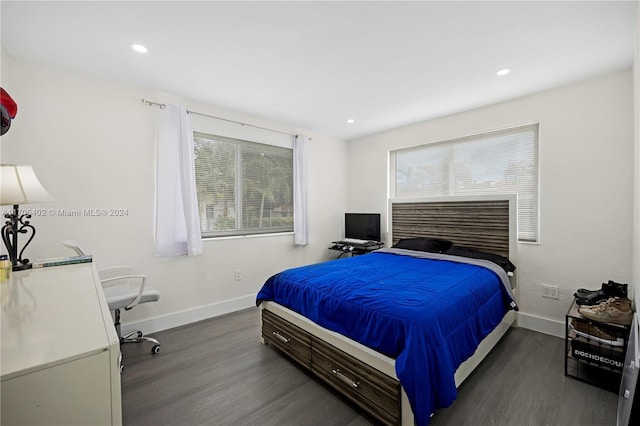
(59, 349)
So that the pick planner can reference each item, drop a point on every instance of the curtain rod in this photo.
(163, 106)
(239, 122)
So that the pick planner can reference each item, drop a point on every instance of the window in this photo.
(243, 187)
(499, 162)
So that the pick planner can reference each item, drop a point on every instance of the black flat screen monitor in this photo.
(363, 226)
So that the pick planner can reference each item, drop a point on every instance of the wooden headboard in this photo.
(486, 223)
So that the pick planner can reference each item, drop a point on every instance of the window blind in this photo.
(499, 162)
(243, 187)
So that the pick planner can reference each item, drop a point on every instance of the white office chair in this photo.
(124, 289)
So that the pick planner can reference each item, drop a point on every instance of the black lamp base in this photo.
(17, 224)
(22, 267)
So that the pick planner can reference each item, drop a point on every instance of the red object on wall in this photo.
(8, 110)
(10, 105)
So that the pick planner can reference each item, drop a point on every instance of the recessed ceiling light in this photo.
(351, 121)
(139, 48)
(504, 71)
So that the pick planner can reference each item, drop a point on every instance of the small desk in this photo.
(355, 249)
(60, 351)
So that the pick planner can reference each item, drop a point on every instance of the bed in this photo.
(397, 330)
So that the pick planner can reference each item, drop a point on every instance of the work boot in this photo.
(593, 297)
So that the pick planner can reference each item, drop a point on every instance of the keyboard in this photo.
(353, 241)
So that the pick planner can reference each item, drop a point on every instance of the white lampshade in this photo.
(20, 185)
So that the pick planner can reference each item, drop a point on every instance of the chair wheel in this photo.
(139, 334)
(155, 349)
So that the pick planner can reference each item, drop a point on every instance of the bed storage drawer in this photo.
(374, 391)
(287, 337)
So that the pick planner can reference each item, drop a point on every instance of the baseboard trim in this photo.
(177, 319)
(165, 322)
(542, 325)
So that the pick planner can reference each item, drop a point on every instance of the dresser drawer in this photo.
(287, 337)
(376, 392)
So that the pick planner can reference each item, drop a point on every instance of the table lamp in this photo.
(19, 185)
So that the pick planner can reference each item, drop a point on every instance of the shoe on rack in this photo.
(598, 334)
(612, 288)
(615, 289)
(593, 298)
(608, 289)
(614, 310)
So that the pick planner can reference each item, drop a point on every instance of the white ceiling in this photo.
(313, 65)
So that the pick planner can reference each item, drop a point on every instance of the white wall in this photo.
(586, 185)
(92, 144)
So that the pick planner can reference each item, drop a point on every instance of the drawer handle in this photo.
(344, 378)
(281, 337)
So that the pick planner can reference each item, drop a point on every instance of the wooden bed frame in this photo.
(487, 223)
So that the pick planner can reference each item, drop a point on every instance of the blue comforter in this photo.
(428, 313)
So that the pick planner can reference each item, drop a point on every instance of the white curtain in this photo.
(177, 218)
(300, 191)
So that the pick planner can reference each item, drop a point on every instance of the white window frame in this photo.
(533, 235)
(213, 126)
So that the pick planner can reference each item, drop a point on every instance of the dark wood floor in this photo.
(216, 372)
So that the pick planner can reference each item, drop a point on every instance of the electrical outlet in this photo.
(550, 291)
(238, 274)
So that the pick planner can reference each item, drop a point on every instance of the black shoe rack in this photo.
(590, 360)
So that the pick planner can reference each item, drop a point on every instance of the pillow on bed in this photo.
(475, 254)
(431, 245)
